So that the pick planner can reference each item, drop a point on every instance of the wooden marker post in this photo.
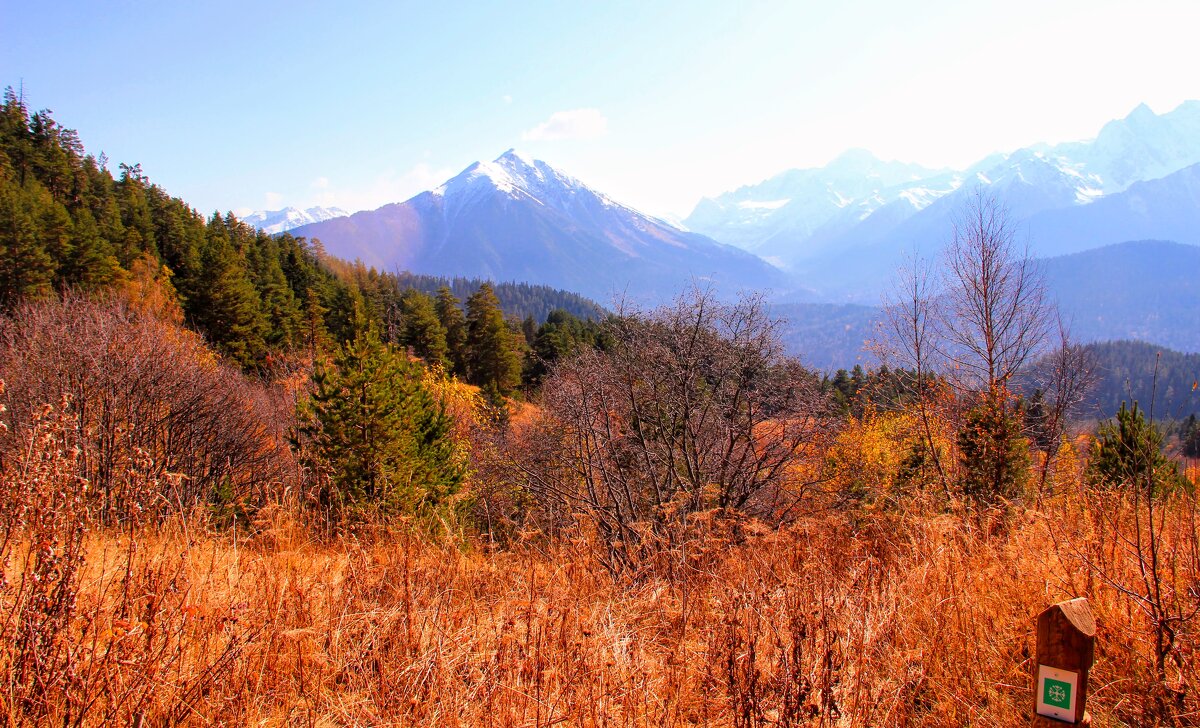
(1066, 642)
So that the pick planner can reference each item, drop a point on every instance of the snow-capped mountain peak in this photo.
(278, 221)
(517, 218)
(517, 176)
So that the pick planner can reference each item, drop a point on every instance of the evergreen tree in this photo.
(559, 337)
(94, 266)
(379, 433)
(450, 314)
(420, 329)
(994, 456)
(1190, 437)
(1129, 453)
(315, 335)
(26, 269)
(278, 301)
(493, 363)
(224, 304)
(346, 312)
(1037, 423)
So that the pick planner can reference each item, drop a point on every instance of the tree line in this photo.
(67, 221)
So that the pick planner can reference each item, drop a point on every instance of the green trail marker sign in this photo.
(1066, 636)
(1056, 692)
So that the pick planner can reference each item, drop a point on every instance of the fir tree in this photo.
(450, 314)
(224, 304)
(26, 269)
(1190, 437)
(315, 335)
(994, 455)
(93, 266)
(420, 329)
(379, 433)
(493, 363)
(1129, 453)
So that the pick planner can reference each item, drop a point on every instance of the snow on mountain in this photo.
(797, 203)
(278, 221)
(858, 208)
(1143, 146)
(517, 218)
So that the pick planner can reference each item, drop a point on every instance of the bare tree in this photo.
(994, 316)
(1064, 377)
(694, 408)
(976, 326)
(910, 320)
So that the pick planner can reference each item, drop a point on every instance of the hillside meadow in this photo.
(891, 607)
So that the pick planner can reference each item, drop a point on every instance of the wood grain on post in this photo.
(1066, 643)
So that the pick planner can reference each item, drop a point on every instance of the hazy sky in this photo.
(243, 105)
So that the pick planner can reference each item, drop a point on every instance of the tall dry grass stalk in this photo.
(887, 612)
(886, 620)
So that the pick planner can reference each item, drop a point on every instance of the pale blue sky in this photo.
(245, 105)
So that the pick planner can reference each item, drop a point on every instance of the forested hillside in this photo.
(67, 221)
(519, 300)
(1163, 381)
(242, 482)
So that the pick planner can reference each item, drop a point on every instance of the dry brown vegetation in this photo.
(876, 603)
(845, 618)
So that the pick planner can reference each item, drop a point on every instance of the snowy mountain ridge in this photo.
(787, 216)
(289, 218)
(517, 218)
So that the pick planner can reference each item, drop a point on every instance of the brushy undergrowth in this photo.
(876, 619)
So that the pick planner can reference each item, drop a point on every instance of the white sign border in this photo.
(1053, 711)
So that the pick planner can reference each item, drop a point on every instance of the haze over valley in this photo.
(837, 234)
(644, 364)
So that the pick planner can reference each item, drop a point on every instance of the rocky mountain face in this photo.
(520, 219)
(843, 229)
(290, 218)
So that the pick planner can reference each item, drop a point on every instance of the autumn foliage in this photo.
(164, 563)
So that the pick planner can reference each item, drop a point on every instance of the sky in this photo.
(257, 105)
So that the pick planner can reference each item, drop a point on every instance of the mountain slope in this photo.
(1165, 209)
(1136, 180)
(1147, 290)
(794, 204)
(520, 219)
(289, 218)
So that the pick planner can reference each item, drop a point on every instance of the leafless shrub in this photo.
(141, 389)
(694, 408)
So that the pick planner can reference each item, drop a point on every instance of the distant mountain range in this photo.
(1137, 179)
(1145, 290)
(290, 218)
(520, 219)
(835, 234)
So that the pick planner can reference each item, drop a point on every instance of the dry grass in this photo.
(885, 621)
(887, 613)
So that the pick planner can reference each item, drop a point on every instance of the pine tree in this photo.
(1128, 453)
(93, 265)
(224, 304)
(379, 433)
(420, 329)
(994, 456)
(315, 335)
(1190, 437)
(559, 337)
(26, 269)
(450, 314)
(493, 363)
